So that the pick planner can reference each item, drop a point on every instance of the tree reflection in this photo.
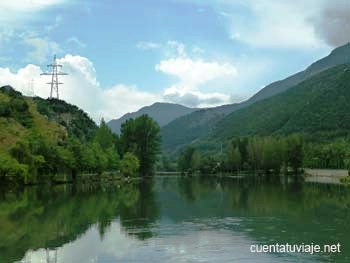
(139, 209)
(50, 217)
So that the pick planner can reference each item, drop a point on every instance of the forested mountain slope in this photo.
(199, 124)
(318, 107)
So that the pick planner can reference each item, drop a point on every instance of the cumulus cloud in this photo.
(121, 99)
(192, 74)
(195, 72)
(81, 88)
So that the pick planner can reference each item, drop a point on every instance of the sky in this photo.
(122, 55)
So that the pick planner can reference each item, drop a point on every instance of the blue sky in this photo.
(122, 55)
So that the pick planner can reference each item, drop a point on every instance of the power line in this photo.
(54, 70)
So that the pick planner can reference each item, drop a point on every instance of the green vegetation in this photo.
(141, 137)
(317, 107)
(255, 154)
(129, 165)
(42, 138)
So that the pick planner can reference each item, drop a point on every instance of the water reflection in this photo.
(175, 219)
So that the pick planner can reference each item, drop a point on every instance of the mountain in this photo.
(199, 124)
(162, 113)
(318, 107)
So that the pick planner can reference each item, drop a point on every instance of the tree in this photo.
(141, 136)
(11, 167)
(104, 136)
(254, 149)
(208, 165)
(129, 165)
(294, 151)
(271, 154)
(101, 160)
(185, 162)
(234, 158)
(113, 158)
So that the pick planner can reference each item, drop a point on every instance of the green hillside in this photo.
(199, 124)
(189, 128)
(54, 141)
(318, 107)
(39, 138)
(77, 123)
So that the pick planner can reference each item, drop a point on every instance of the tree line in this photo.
(257, 154)
(133, 152)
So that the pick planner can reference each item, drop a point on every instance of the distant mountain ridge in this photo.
(199, 124)
(162, 113)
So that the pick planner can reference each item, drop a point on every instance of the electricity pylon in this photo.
(54, 70)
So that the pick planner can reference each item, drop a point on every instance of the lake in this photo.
(174, 219)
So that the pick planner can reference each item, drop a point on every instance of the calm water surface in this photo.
(173, 219)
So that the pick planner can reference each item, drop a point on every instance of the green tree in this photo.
(113, 158)
(294, 151)
(234, 158)
(129, 165)
(11, 167)
(104, 136)
(141, 136)
(255, 150)
(184, 163)
(208, 165)
(100, 157)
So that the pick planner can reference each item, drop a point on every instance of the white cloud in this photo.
(195, 98)
(178, 47)
(75, 42)
(146, 45)
(195, 72)
(276, 24)
(81, 88)
(192, 74)
(121, 99)
(42, 47)
(20, 5)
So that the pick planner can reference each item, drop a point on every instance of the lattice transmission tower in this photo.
(54, 70)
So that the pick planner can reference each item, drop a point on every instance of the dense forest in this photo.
(41, 138)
